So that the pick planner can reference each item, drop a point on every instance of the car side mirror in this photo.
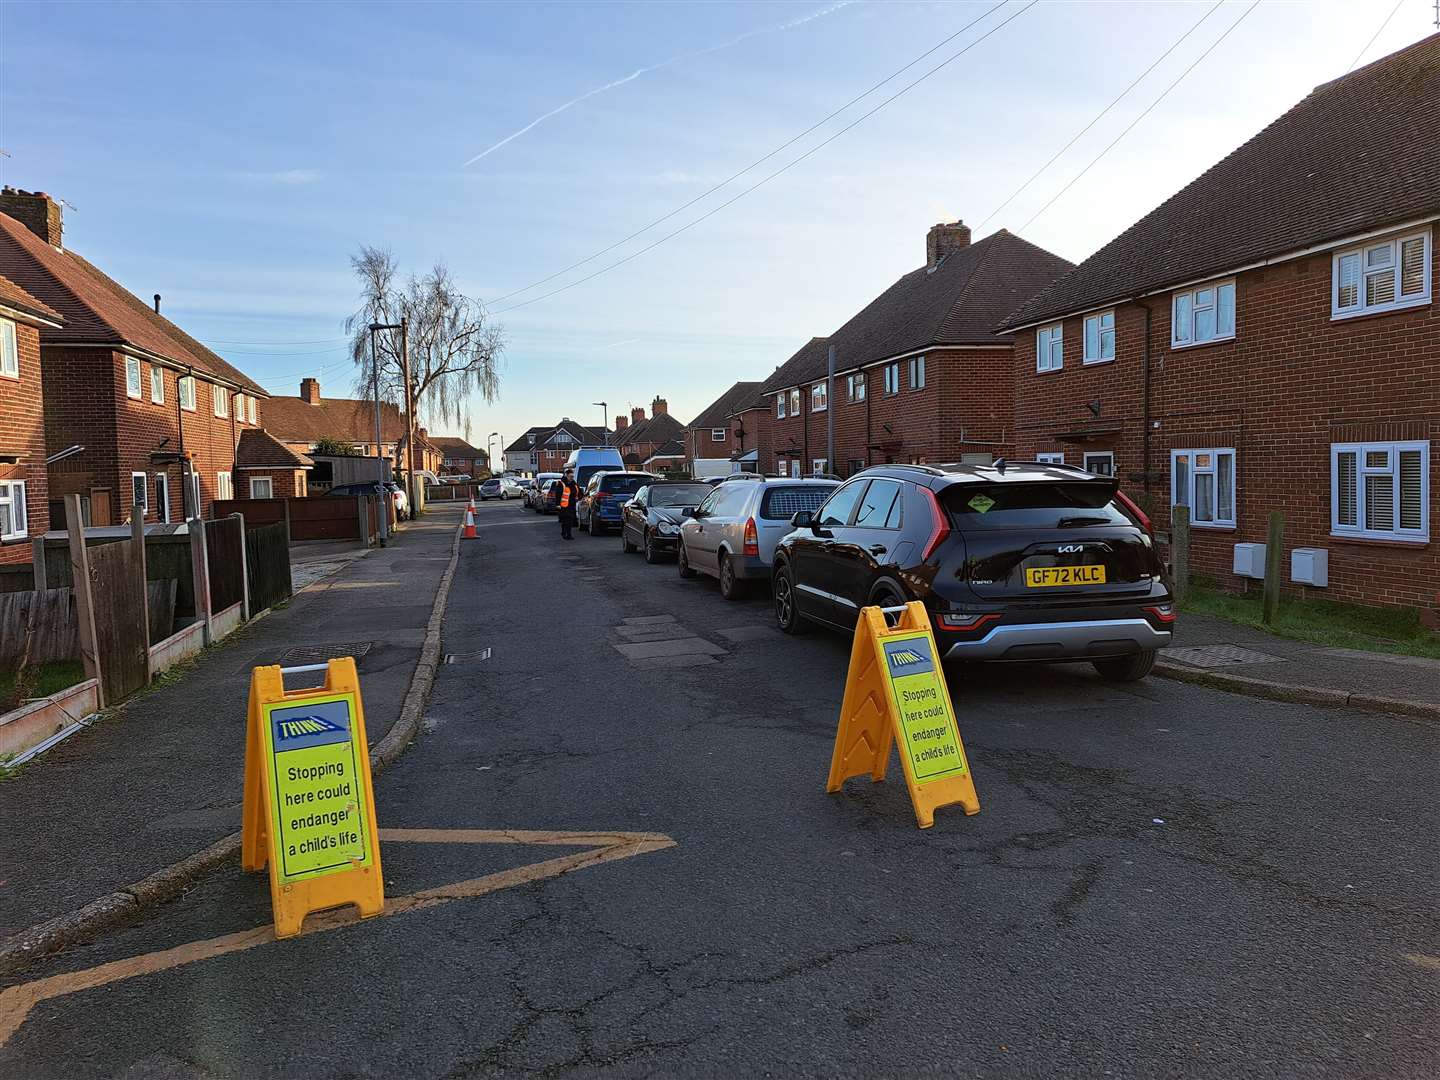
(802, 519)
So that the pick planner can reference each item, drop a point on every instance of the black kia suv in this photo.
(1014, 561)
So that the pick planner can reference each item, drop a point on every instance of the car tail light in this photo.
(967, 622)
(1163, 612)
(1140, 515)
(940, 527)
(752, 538)
(601, 496)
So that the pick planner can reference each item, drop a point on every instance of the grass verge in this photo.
(1345, 626)
(46, 679)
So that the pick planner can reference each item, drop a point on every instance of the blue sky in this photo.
(233, 156)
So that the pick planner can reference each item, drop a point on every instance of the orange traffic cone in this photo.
(469, 533)
(471, 508)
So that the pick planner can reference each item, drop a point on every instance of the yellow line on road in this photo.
(17, 1001)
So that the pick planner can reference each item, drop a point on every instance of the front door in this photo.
(162, 496)
(100, 507)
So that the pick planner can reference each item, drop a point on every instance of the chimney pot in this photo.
(36, 211)
(945, 239)
(659, 407)
(621, 423)
(157, 303)
(637, 414)
(310, 391)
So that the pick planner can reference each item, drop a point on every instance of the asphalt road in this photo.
(1164, 881)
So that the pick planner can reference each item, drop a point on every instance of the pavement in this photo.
(159, 778)
(1163, 880)
(1248, 660)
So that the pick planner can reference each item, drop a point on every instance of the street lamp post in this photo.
(491, 453)
(604, 414)
(380, 461)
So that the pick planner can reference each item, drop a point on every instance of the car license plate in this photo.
(1039, 577)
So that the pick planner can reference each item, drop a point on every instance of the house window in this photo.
(917, 373)
(139, 491)
(856, 465)
(261, 487)
(221, 397)
(1380, 490)
(819, 394)
(795, 402)
(717, 434)
(9, 352)
(1099, 338)
(1051, 459)
(1049, 348)
(892, 379)
(12, 510)
(795, 467)
(191, 489)
(162, 495)
(239, 405)
(780, 406)
(254, 410)
(1381, 277)
(157, 384)
(224, 486)
(818, 466)
(132, 376)
(1204, 481)
(187, 392)
(1100, 463)
(855, 386)
(1203, 314)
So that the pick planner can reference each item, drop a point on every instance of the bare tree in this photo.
(454, 345)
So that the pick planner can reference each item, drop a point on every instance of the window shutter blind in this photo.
(1380, 501)
(1412, 266)
(1412, 506)
(1345, 487)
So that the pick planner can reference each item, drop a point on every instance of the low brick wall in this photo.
(33, 723)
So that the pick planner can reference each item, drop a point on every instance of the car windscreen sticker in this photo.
(980, 503)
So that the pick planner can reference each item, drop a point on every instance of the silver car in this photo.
(732, 534)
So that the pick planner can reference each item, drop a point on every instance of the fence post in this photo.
(364, 519)
(84, 596)
(137, 543)
(1273, 561)
(200, 571)
(1180, 550)
(286, 503)
(244, 570)
(38, 575)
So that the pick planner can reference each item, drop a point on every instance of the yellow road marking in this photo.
(17, 1001)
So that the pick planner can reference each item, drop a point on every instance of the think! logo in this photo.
(902, 657)
(308, 725)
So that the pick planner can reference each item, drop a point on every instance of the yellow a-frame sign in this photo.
(896, 689)
(309, 806)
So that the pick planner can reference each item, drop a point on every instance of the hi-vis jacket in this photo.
(569, 496)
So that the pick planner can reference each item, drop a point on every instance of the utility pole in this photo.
(416, 494)
(605, 406)
(379, 459)
(830, 411)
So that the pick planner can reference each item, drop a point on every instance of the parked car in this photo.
(455, 478)
(588, 460)
(535, 493)
(733, 533)
(1015, 561)
(650, 522)
(600, 499)
(500, 487)
(375, 487)
(550, 497)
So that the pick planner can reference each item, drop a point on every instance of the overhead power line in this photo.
(1099, 116)
(1148, 109)
(784, 168)
(321, 341)
(1377, 33)
(754, 164)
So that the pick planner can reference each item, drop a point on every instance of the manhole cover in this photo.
(318, 654)
(1210, 656)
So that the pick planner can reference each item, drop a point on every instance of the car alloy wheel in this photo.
(651, 555)
(625, 545)
(787, 616)
(682, 563)
(729, 585)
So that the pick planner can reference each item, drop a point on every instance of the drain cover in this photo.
(1211, 656)
(466, 657)
(318, 654)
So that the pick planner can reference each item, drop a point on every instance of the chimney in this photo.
(621, 423)
(157, 303)
(658, 407)
(35, 210)
(310, 391)
(944, 240)
(637, 414)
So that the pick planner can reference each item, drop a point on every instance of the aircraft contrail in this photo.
(792, 24)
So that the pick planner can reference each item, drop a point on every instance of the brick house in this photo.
(136, 410)
(750, 430)
(24, 502)
(666, 459)
(641, 436)
(269, 469)
(457, 456)
(712, 447)
(301, 422)
(1266, 340)
(920, 373)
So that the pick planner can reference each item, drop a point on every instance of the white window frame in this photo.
(237, 405)
(224, 484)
(221, 398)
(1362, 254)
(1051, 458)
(718, 434)
(819, 466)
(917, 373)
(795, 468)
(1361, 527)
(1050, 348)
(892, 379)
(795, 402)
(780, 399)
(855, 386)
(185, 388)
(132, 377)
(157, 384)
(1194, 469)
(254, 407)
(1182, 329)
(162, 496)
(144, 503)
(269, 487)
(9, 350)
(190, 493)
(819, 397)
(1085, 461)
(12, 494)
(1104, 324)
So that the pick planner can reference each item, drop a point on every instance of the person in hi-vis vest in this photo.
(566, 502)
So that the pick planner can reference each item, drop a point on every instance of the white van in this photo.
(588, 460)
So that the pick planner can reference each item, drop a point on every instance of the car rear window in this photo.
(782, 502)
(621, 484)
(685, 495)
(1034, 506)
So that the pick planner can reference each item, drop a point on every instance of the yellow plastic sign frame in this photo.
(896, 689)
(309, 808)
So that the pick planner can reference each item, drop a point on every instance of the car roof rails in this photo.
(929, 470)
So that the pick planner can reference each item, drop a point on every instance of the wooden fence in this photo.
(451, 492)
(225, 559)
(119, 615)
(325, 517)
(267, 556)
